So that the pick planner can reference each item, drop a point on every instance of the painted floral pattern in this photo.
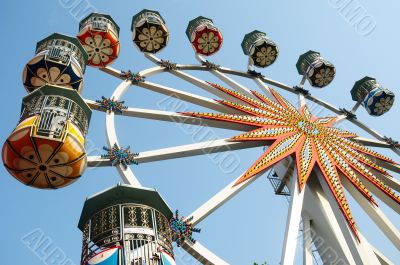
(44, 163)
(266, 56)
(151, 38)
(324, 76)
(53, 76)
(208, 42)
(383, 105)
(98, 49)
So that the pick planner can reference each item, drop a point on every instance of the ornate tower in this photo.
(124, 225)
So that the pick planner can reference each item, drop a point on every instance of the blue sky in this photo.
(248, 228)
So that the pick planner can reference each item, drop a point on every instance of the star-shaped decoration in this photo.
(120, 156)
(313, 143)
(183, 229)
(110, 104)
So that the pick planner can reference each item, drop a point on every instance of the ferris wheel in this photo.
(307, 158)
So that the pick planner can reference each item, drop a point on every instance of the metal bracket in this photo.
(109, 104)
(255, 74)
(168, 65)
(349, 114)
(210, 65)
(135, 78)
(390, 141)
(302, 91)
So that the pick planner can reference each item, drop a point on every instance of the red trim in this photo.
(119, 247)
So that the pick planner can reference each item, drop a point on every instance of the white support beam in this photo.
(357, 248)
(202, 254)
(374, 213)
(307, 240)
(219, 199)
(373, 132)
(371, 142)
(368, 251)
(207, 147)
(380, 194)
(386, 165)
(302, 100)
(382, 258)
(98, 161)
(390, 181)
(232, 83)
(292, 222)
(326, 233)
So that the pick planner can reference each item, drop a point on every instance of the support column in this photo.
(292, 223)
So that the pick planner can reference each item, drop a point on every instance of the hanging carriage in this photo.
(47, 148)
(59, 60)
(262, 51)
(99, 35)
(205, 37)
(376, 99)
(149, 32)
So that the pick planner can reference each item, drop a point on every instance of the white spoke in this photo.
(374, 213)
(199, 83)
(208, 147)
(386, 165)
(189, 97)
(382, 258)
(264, 88)
(147, 72)
(204, 85)
(97, 161)
(391, 182)
(173, 117)
(220, 198)
(370, 142)
(380, 194)
(227, 80)
(302, 100)
(111, 71)
(373, 133)
(202, 254)
(201, 148)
